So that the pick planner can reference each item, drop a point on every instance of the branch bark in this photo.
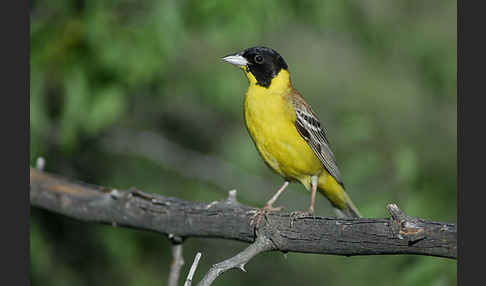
(229, 219)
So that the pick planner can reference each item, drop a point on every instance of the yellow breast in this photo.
(270, 117)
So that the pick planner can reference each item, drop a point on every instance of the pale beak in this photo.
(236, 60)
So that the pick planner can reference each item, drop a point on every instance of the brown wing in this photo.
(314, 134)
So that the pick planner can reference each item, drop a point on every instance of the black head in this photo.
(264, 63)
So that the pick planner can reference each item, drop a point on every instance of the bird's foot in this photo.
(258, 214)
(295, 215)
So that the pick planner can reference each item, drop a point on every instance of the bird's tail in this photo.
(335, 193)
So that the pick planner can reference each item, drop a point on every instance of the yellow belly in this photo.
(270, 121)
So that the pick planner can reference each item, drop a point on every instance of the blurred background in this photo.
(133, 93)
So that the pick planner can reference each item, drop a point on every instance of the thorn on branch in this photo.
(404, 226)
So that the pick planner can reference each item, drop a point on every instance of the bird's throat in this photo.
(279, 83)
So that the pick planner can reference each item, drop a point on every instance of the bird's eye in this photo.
(258, 59)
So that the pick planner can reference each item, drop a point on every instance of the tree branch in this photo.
(230, 220)
(177, 261)
(261, 244)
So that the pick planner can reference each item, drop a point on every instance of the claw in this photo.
(268, 206)
(260, 213)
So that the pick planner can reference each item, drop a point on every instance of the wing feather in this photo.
(310, 128)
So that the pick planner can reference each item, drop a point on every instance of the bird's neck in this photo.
(281, 82)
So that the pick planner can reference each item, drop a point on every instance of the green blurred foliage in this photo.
(380, 74)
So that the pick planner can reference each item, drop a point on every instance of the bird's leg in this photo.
(313, 194)
(298, 214)
(269, 205)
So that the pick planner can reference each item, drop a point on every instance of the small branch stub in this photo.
(174, 239)
(232, 197)
(405, 226)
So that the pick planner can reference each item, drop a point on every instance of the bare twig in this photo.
(230, 220)
(193, 269)
(177, 262)
(239, 261)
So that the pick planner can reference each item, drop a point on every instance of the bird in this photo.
(287, 132)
